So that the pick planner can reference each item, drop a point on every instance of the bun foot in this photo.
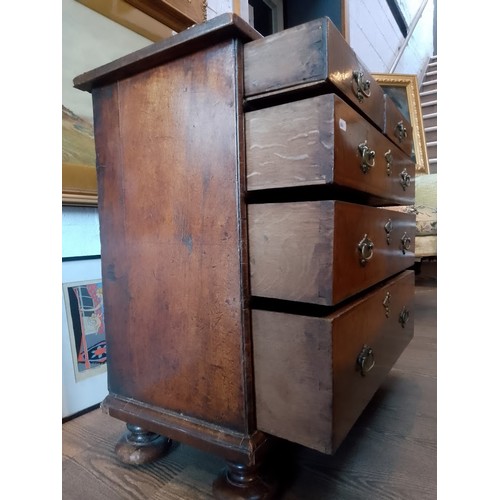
(242, 482)
(139, 446)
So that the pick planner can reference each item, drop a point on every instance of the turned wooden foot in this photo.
(242, 482)
(139, 446)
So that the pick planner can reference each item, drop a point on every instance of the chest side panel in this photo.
(168, 146)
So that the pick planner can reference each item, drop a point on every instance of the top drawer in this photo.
(314, 55)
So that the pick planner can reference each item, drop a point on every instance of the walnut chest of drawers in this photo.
(255, 288)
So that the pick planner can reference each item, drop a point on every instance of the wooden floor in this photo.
(391, 453)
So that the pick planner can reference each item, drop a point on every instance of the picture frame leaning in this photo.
(84, 370)
(404, 91)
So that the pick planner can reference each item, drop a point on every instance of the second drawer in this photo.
(322, 252)
(324, 141)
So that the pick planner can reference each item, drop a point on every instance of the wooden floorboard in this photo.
(390, 454)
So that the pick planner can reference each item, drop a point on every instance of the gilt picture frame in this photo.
(404, 91)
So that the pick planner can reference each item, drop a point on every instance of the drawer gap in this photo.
(317, 193)
(316, 310)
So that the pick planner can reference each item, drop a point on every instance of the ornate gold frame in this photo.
(410, 83)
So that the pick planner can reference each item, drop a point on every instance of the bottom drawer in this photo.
(315, 375)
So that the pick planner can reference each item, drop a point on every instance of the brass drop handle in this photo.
(367, 156)
(360, 87)
(400, 132)
(366, 359)
(405, 179)
(388, 159)
(405, 243)
(388, 228)
(387, 304)
(404, 316)
(365, 247)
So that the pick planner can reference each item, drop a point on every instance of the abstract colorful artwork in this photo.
(85, 314)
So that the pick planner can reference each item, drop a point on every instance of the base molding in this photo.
(233, 446)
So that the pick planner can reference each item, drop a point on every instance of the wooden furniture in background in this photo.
(207, 251)
(153, 19)
(177, 14)
(125, 14)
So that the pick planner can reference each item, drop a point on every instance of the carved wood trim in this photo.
(131, 18)
(177, 14)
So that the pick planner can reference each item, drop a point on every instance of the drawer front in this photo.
(324, 141)
(323, 252)
(315, 375)
(397, 127)
(311, 57)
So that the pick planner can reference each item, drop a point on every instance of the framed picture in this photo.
(79, 175)
(403, 89)
(84, 370)
(87, 43)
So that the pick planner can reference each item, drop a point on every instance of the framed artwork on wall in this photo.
(84, 375)
(87, 44)
(79, 176)
(403, 89)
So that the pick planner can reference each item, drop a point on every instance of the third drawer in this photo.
(322, 252)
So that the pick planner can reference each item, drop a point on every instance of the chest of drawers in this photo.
(248, 262)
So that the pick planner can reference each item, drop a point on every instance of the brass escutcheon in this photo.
(405, 243)
(388, 159)
(387, 304)
(405, 179)
(360, 88)
(388, 228)
(404, 316)
(366, 359)
(365, 247)
(400, 131)
(367, 156)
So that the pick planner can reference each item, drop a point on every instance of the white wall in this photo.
(420, 47)
(80, 232)
(376, 38)
(216, 7)
(373, 33)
